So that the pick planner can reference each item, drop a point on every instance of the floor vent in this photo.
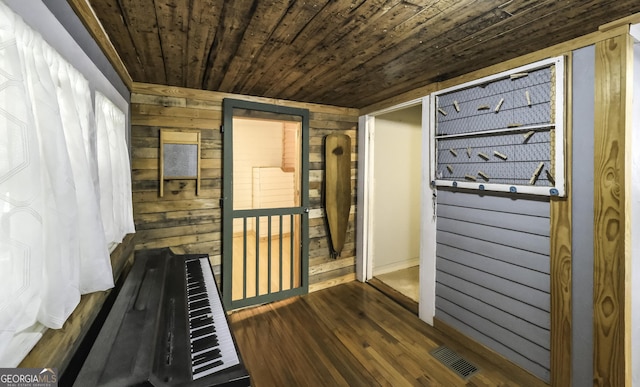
(457, 364)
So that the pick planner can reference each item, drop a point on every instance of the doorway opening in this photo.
(264, 203)
(396, 207)
(396, 217)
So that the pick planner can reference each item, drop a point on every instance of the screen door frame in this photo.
(229, 213)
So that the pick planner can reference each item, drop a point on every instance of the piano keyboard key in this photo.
(208, 368)
(196, 333)
(207, 357)
(212, 347)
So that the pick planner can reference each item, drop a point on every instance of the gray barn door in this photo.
(265, 203)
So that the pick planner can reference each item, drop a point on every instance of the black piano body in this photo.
(165, 330)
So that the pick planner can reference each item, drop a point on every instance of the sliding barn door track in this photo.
(455, 362)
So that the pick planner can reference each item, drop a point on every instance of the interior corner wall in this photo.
(397, 188)
(635, 219)
(194, 222)
(582, 222)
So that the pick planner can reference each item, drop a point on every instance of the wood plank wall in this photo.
(182, 219)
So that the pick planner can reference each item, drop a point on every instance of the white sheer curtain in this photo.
(53, 245)
(114, 170)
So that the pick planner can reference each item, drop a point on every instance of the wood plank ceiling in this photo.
(349, 53)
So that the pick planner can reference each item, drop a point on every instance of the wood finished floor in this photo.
(348, 335)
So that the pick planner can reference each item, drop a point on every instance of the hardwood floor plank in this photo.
(348, 335)
(381, 329)
(328, 365)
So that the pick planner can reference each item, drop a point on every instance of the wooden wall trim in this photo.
(548, 52)
(611, 238)
(561, 252)
(624, 22)
(217, 96)
(88, 18)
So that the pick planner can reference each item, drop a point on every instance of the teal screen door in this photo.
(264, 203)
